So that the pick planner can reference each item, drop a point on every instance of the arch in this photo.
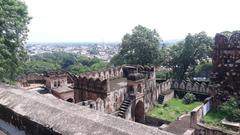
(139, 88)
(139, 112)
(70, 100)
(100, 105)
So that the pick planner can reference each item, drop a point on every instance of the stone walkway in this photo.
(179, 127)
(2, 133)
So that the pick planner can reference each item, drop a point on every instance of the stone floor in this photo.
(180, 126)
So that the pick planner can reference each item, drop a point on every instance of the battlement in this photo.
(111, 73)
(93, 84)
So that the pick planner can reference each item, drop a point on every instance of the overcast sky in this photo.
(109, 20)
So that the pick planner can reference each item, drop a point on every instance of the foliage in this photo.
(38, 67)
(78, 68)
(187, 54)
(13, 33)
(172, 109)
(231, 109)
(139, 47)
(61, 60)
(189, 98)
(163, 75)
(214, 117)
(203, 70)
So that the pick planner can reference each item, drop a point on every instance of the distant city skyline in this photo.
(110, 20)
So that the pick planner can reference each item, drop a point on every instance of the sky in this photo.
(110, 20)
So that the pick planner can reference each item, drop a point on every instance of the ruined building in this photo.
(119, 91)
(225, 76)
(58, 83)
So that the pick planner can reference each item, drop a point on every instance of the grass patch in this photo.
(214, 117)
(172, 109)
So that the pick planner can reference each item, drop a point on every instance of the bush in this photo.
(189, 98)
(231, 109)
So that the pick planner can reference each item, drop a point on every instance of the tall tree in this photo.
(139, 47)
(192, 51)
(13, 33)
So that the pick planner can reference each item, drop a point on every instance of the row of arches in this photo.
(189, 86)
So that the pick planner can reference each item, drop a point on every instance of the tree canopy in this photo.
(61, 61)
(139, 47)
(187, 54)
(13, 33)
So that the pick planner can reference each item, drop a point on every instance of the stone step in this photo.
(127, 104)
(123, 109)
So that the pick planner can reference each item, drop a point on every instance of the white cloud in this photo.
(109, 20)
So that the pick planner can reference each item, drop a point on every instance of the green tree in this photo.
(189, 53)
(139, 47)
(38, 67)
(203, 70)
(13, 33)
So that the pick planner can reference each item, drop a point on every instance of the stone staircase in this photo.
(124, 106)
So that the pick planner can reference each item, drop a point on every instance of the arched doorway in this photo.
(139, 112)
(70, 100)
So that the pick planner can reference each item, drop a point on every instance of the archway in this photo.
(139, 112)
(70, 100)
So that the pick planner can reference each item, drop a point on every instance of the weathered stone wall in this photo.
(114, 100)
(225, 76)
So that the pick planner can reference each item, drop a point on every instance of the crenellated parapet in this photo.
(193, 87)
(93, 84)
(111, 73)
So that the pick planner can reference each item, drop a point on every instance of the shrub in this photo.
(231, 109)
(189, 98)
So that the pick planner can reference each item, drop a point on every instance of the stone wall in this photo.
(225, 76)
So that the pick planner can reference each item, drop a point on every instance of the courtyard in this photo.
(172, 109)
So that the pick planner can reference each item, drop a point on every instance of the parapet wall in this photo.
(111, 73)
(92, 84)
(194, 87)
